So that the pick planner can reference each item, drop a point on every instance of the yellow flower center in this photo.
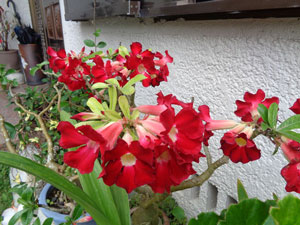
(172, 134)
(128, 159)
(240, 141)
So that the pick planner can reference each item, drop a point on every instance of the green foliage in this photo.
(89, 43)
(5, 195)
(4, 81)
(287, 212)
(210, 218)
(272, 114)
(173, 211)
(242, 193)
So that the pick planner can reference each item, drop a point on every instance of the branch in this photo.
(59, 96)
(90, 87)
(208, 156)
(199, 180)
(8, 143)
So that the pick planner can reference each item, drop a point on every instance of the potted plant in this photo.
(10, 57)
(116, 147)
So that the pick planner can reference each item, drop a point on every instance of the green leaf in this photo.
(65, 116)
(26, 217)
(77, 212)
(135, 114)
(263, 111)
(92, 55)
(120, 197)
(94, 124)
(57, 181)
(287, 212)
(37, 222)
(128, 88)
(100, 85)
(100, 193)
(276, 150)
(264, 126)
(242, 193)
(124, 105)
(44, 63)
(290, 124)
(33, 70)
(113, 81)
(209, 218)
(123, 51)
(247, 212)
(48, 221)
(290, 134)
(178, 213)
(89, 43)
(112, 115)
(113, 95)
(16, 217)
(269, 221)
(27, 194)
(272, 114)
(11, 130)
(101, 44)
(95, 106)
(10, 71)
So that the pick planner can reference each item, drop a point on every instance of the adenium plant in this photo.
(151, 149)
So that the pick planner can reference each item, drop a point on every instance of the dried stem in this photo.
(90, 87)
(59, 96)
(8, 143)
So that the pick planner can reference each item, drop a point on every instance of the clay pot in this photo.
(11, 59)
(31, 54)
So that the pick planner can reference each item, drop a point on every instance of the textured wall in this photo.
(216, 62)
(22, 7)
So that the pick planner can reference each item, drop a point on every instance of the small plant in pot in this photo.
(8, 56)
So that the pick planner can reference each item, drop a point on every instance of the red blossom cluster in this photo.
(77, 69)
(157, 149)
(291, 150)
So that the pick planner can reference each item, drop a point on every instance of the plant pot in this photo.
(31, 55)
(11, 59)
(57, 217)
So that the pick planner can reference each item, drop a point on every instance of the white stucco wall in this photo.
(216, 62)
(22, 7)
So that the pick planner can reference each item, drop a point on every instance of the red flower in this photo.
(127, 166)
(239, 148)
(291, 173)
(73, 74)
(168, 172)
(90, 141)
(58, 60)
(170, 100)
(184, 132)
(248, 110)
(296, 107)
(291, 149)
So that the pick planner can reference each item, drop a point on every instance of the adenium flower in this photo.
(247, 110)
(291, 173)
(184, 131)
(90, 142)
(239, 148)
(291, 149)
(168, 172)
(58, 60)
(127, 165)
(296, 107)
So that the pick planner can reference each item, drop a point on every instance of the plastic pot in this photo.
(57, 217)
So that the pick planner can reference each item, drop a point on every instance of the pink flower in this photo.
(239, 148)
(296, 107)
(111, 132)
(291, 174)
(247, 110)
(90, 141)
(127, 166)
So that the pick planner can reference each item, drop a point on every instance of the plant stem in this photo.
(8, 143)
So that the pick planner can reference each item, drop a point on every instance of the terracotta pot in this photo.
(11, 59)
(31, 54)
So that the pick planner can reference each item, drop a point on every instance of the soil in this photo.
(57, 199)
